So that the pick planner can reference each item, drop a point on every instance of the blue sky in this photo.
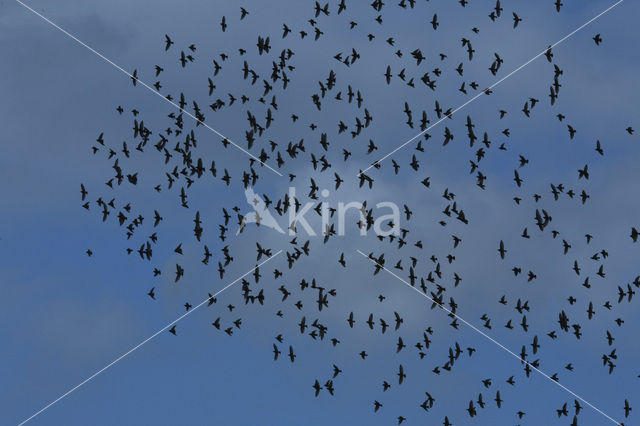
(65, 315)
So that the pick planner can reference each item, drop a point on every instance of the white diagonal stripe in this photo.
(136, 347)
(500, 345)
(151, 89)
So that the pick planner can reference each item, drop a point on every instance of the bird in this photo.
(317, 388)
(627, 408)
(168, 42)
(502, 250)
(516, 20)
(276, 352)
(597, 39)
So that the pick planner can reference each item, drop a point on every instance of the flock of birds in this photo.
(176, 149)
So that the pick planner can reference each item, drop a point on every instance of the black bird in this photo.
(168, 42)
(502, 250)
(597, 39)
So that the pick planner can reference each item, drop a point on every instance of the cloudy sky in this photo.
(66, 315)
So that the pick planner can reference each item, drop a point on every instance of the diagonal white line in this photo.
(151, 89)
(476, 329)
(492, 86)
(136, 347)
